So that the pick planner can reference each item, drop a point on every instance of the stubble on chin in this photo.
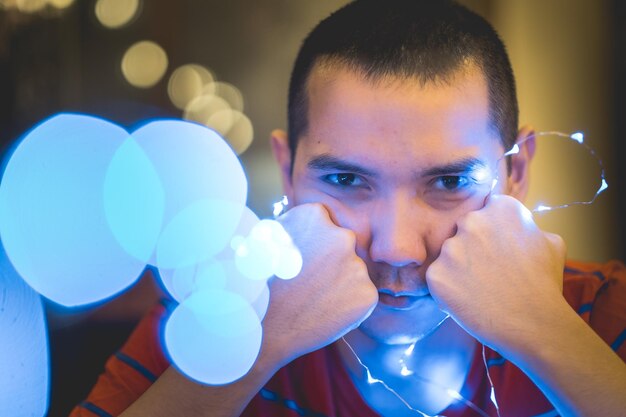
(400, 328)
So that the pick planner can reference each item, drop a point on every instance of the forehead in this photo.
(391, 120)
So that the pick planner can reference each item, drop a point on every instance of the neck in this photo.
(426, 374)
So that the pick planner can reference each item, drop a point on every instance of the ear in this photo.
(282, 153)
(518, 180)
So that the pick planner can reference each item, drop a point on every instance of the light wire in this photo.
(577, 137)
(452, 393)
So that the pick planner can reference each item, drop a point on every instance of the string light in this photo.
(492, 395)
(576, 137)
(372, 380)
(405, 372)
(280, 206)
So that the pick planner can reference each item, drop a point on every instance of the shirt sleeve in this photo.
(130, 371)
(608, 315)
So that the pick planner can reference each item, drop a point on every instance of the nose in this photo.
(398, 232)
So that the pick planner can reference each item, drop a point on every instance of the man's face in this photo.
(398, 163)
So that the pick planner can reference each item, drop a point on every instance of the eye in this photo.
(452, 182)
(344, 179)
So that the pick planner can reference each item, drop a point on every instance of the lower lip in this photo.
(401, 302)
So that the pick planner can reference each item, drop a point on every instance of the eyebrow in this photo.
(326, 162)
(460, 166)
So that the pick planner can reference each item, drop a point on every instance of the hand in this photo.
(500, 275)
(332, 294)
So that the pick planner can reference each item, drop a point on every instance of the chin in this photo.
(398, 327)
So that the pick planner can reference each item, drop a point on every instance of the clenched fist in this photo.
(499, 275)
(332, 294)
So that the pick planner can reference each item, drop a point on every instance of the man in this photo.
(399, 113)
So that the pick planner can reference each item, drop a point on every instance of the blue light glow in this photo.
(211, 276)
(492, 397)
(213, 337)
(197, 232)
(84, 206)
(215, 272)
(134, 200)
(52, 216)
(24, 380)
(454, 394)
(404, 371)
(198, 171)
(268, 251)
(371, 379)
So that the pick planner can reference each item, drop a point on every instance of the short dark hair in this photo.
(423, 39)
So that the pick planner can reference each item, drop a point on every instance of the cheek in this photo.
(356, 220)
(431, 226)
(436, 226)
(444, 229)
(351, 218)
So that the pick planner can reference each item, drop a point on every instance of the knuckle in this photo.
(503, 199)
(503, 203)
(346, 237)
(357, 265)
(308, 210)
(471, 220)
(466, 221)
(316, 208)
(447, 247)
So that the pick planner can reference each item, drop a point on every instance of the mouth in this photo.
(400, 301)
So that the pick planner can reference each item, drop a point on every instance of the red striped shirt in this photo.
(318, 385)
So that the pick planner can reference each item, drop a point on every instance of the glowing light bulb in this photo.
(493, 397)
(405, 371)
(409, 350)
(541, 208)
(454, 394)
(280, 206)
(578, 137)
(370, 378)
(242, 250)
(513, 151)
